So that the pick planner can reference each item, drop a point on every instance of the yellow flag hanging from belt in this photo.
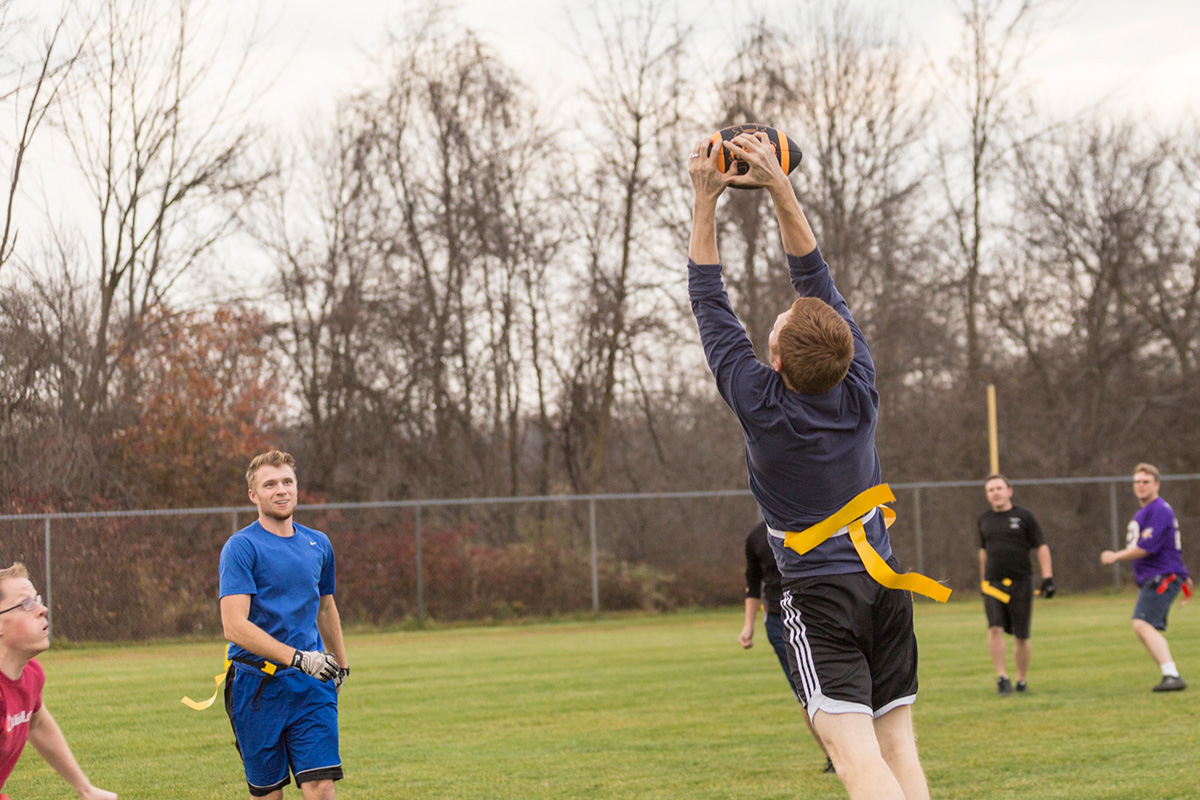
(991, 591)
(850, 516)
(199, 705)
(203, 704)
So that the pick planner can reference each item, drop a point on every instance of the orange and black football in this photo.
(787, 152)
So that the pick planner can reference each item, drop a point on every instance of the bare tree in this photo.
(1105, 291)
(990, 92)
(844, 88)
(161, 140)
(415, 308)
(759, 86)
(31, 84)
(633, 53)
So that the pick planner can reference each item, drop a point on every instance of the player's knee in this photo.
(855, 760)
(318, 790)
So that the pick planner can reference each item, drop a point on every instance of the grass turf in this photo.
(650, 707)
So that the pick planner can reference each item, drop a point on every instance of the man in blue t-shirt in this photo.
(1154, 546)
(285, 641)
(808, 420)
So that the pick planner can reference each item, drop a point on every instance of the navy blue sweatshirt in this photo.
(806, 455)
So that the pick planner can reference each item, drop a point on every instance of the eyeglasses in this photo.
(28, 604)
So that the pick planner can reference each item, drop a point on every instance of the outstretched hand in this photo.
(708, 181)
(755, 149)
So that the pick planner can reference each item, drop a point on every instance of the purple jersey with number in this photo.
(1155, 530)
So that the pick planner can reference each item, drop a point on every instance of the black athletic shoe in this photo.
(1003, 687)
(829, 770)
(1170, 683)
(1022, 687)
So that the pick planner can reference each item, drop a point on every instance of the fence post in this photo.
(917, 532)
(233, 516)
(49, 592)
(1116, 532)
(420, 575)
(595, 571)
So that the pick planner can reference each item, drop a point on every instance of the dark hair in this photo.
(996, 476)
(815, 346)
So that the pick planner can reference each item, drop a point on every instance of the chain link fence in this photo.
(149, 574)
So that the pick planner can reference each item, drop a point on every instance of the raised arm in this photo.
(727, 348)
(708, 184)
(755, 149)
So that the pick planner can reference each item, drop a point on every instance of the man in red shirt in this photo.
(24, 633)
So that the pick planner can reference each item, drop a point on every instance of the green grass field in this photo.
(650, 707)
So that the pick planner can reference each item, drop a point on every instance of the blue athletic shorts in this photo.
(285, 722)
(1155, 598)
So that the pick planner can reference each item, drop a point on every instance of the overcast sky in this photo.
(1142, 57)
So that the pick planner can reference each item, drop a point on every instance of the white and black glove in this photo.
(322, 666)
(340, 678)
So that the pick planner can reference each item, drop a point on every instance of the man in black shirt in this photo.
(1006, 535)
(764, 586)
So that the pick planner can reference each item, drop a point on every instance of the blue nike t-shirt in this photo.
(285, 578)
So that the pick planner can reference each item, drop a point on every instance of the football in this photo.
(787, 152)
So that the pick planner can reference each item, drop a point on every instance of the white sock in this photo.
(1169, 670)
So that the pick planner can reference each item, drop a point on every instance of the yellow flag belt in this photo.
(992, 591)
(200, 705)
(851, 516)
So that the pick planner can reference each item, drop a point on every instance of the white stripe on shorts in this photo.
(797, 640)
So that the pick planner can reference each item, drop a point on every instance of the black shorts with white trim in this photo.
(850, 643)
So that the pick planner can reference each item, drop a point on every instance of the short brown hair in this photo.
(996, 476)
(1149, 469)
(815, 346)
(273, 458)
(17, 570)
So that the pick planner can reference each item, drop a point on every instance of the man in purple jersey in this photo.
(1153, 545)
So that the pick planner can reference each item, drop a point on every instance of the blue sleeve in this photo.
(810, 276)
(727, 348)
(237, 567)
(328, 582)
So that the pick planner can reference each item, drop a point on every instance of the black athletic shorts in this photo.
(1016, 615)
(850, 643)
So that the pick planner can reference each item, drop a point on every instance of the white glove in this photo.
(322, 666)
